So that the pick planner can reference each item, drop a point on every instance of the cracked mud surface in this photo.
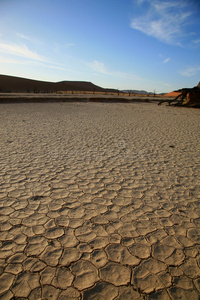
(95, 203)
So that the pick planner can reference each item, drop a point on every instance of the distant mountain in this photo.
(12, 84)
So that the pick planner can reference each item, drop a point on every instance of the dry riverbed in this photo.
(99, 201)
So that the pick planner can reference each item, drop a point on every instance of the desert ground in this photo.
(99, 201)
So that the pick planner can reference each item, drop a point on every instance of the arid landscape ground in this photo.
(99, 201)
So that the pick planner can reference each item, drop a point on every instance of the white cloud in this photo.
(69, 45)
(191, 71)
(20, 50)
(31, 39)
(22, 36)
(99, 67)
(196, 41)
(166, 60)
(62, 47)
(5, 60)
(164, 20)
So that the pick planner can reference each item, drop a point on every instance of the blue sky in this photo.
(123, 44)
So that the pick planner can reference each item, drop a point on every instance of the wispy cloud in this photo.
(26, 62)
(196, 42)
(190, 71)
(28, 38)
(164, 20)
(22, 36)
(20, 50)
(100, 68)
(62, 47)
(166, 60)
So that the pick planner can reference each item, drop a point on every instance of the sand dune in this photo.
(172, 94)
(17, 84)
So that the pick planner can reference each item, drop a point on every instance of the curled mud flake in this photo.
(24, 283)
(115, 273)
(6, 280)
(85, 274)
(63, 278)
(101, 290)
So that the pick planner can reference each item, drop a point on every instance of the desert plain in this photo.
(99, 201)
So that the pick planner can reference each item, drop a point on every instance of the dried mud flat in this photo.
(99, 201)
